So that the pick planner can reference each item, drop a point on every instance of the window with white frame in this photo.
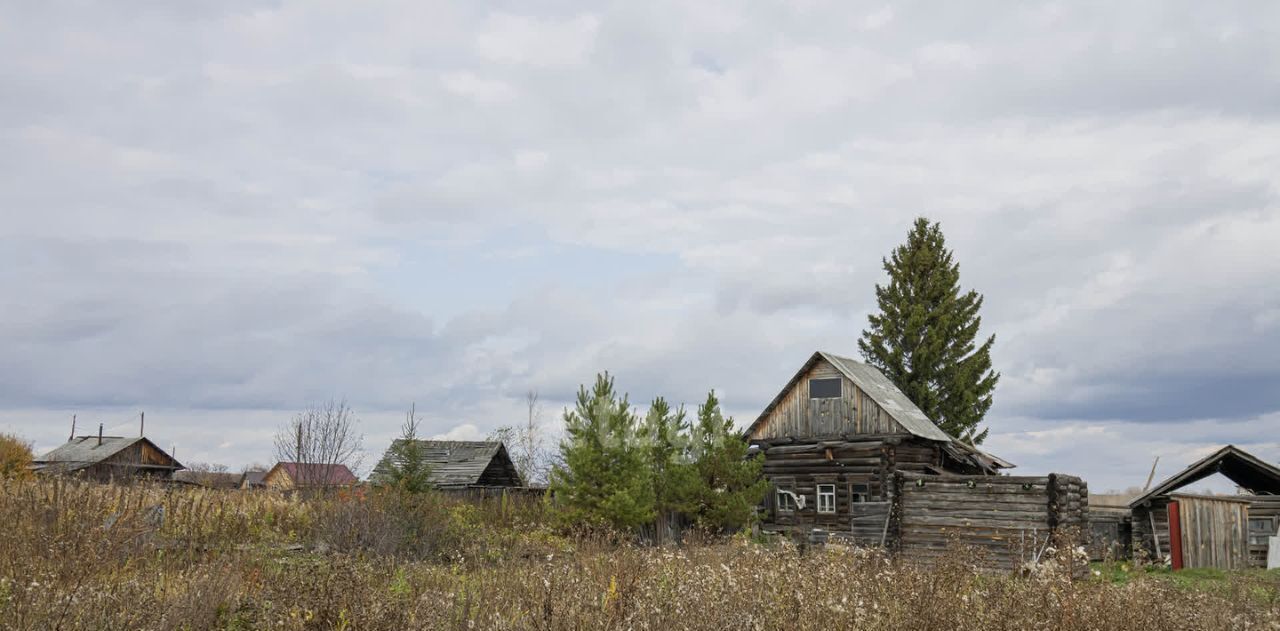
(1259, 529)
(826, 498)
(786, 501)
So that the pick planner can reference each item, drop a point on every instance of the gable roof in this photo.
(453, 463)
(893, 401)
(85, 451)
(1236, 464)
(208, 479)
(308, 473)
(876, 386)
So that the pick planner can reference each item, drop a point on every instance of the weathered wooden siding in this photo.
(1264, 506)
(1009, 519)
(797, 415)
(1214, 532)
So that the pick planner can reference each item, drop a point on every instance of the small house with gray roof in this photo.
(459, 464)
(108, 457)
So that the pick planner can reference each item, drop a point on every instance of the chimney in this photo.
(73, 428)
(142, 424)
(99, 434)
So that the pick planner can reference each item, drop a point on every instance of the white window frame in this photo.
(827, 499)
(786, 500)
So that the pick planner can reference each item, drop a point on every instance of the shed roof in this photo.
(453, 463)
(85, 451)
(1238, 465)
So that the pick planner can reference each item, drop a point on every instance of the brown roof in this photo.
(312, 474)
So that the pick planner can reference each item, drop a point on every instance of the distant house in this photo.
(108, 457)
(459, 464)
(208, 479)
(1215, 531)
(288, 476)
(253, 480)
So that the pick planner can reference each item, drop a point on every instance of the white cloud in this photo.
(517, 39)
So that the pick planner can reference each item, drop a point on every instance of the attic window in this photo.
(824, 388)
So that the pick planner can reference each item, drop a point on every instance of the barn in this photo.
(459, 464)
(106, 458)
(1211, 531)
(848, 455)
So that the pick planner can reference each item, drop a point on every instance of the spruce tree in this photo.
(604, 478)
(726, 485)
(924, 338)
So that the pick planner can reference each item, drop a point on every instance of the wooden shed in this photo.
(459, 464)
(106, 458)
(849, 455)
(1226, 531)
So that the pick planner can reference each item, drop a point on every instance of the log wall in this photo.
(1010, 520)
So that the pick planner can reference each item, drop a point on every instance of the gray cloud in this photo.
(223, 213)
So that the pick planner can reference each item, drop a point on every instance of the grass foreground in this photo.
(81, 556)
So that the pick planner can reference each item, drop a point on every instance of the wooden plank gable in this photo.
(797, 414)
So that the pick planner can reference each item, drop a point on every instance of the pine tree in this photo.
(924, 337)
(603, 477)
(666, 435)
(726, 484)
(406, 466)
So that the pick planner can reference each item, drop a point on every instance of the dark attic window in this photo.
(824, 388)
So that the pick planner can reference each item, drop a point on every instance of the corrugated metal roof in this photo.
(453, 462)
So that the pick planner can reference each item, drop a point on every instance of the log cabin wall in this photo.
(797, 414)
(1010, 519)
(856, 470)
(1153, 514)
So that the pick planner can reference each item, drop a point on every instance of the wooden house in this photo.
(458, 464)
(1215, 531)
(106, 458)
(292, 476)
(849, 455)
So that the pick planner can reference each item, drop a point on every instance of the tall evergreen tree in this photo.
(924, 338)
(604, 476)
(726, 485)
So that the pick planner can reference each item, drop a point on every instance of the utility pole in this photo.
(1152, 475)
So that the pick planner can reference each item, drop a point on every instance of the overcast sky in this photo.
(220, 212)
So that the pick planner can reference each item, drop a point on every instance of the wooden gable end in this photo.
(798, 415)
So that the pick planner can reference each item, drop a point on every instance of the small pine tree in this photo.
(666, 434)
(407, 468)
(604, 478)
(924, 337)
(727, 485)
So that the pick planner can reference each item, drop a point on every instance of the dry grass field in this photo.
(84, 556)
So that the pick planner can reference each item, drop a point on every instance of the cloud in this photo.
(221, 215)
